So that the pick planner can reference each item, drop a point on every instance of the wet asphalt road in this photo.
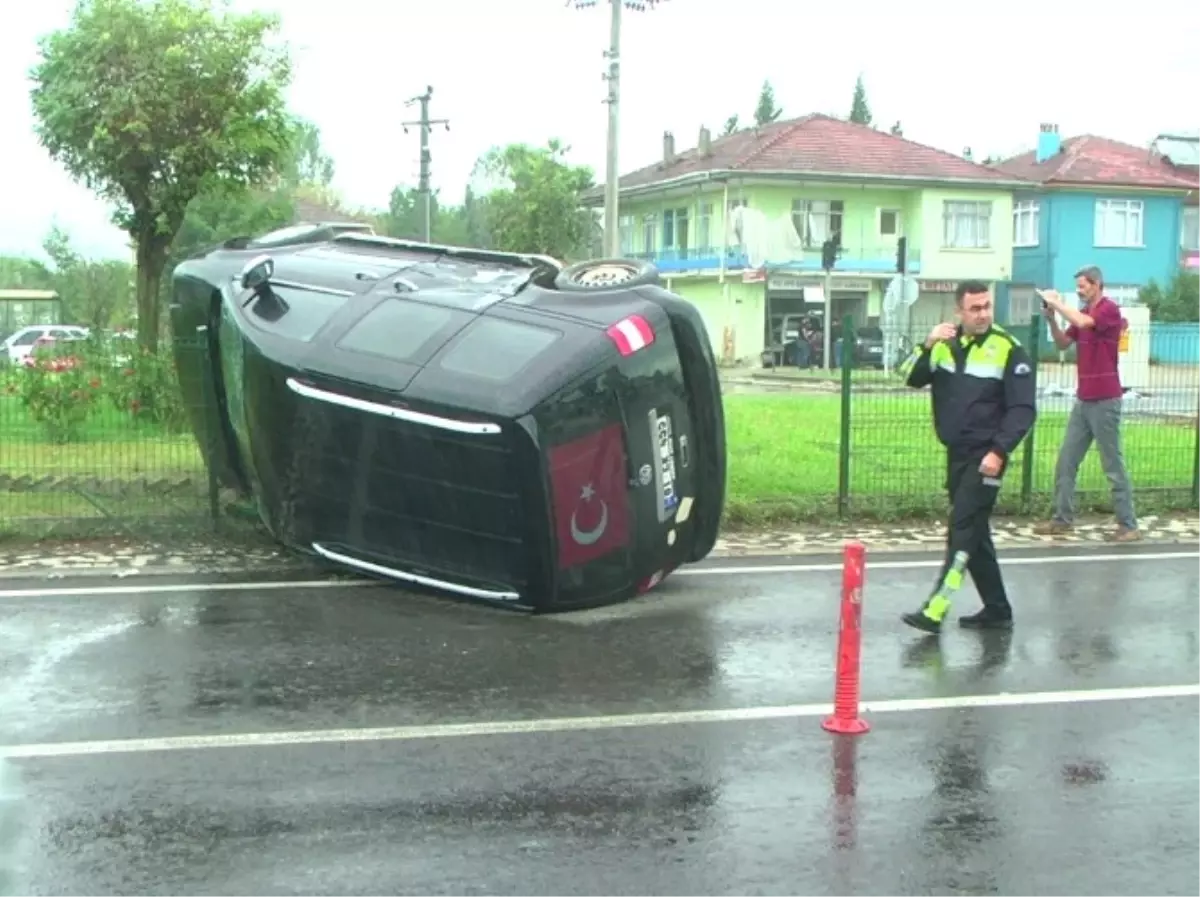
(1066, 797)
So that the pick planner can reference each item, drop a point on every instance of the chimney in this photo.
(705, 141)
(1049, 143)
(967, 154)
(668, 147)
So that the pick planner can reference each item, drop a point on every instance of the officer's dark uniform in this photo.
(983, 401)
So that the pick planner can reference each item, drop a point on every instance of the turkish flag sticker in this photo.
(591, 498)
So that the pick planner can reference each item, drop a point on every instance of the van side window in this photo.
(496, 349)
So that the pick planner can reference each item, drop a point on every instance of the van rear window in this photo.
(496, 349)
(401, 330)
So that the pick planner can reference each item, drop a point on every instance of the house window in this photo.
(650, 233)
(889, 222)
(675, 229)
(967, 225)
(1124, 295)
(1119, 222)
(704, 226)
(625, 232)
(1189, 232)
(817, 220)
(1020, 309)
(1025, 223)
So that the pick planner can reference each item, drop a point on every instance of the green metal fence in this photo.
(96, 440)
(894, 459)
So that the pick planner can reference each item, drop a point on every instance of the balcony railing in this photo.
(852, 260)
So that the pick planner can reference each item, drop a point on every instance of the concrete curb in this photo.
(880, 540)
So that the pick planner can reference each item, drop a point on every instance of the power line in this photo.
(425, 124)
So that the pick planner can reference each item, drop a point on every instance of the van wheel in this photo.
(605, 274)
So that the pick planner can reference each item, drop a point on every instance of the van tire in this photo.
(575, 278)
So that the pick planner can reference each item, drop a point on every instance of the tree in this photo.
(307, 162)
(404, 219)
(94, 294)
(532, 200)
(150, 102)
(1179, 303)
(223, 211)
(766, 111)
(731, 126)
(860, 112)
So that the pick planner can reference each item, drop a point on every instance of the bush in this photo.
(143, 384)
(1178, 302)
(59, 391)
(63, 384)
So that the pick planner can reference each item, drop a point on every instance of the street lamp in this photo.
(612, 240)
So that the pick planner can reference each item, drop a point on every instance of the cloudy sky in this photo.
(956, 75)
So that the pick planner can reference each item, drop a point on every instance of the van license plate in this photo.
(663, 440)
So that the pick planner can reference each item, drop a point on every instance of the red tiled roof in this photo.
(818, 144)
(1088, 159)
(308, 210)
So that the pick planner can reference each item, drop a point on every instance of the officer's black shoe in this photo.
(918, 620)
(987, 619)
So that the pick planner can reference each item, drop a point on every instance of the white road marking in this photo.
(753, 570)
(581, 723)
(168, 588)
(933, 563)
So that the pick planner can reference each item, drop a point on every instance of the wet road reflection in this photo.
(983, 800)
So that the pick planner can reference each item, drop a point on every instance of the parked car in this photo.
(481, 423)
(19, 346)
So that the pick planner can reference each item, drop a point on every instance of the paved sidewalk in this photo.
(932, 535)
(126, 558)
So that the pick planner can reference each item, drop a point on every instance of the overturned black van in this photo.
(482, 423)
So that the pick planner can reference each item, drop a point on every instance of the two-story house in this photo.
(736, 225)
(1182, 153)
(1096, 202)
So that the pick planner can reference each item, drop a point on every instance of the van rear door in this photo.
(655, 412)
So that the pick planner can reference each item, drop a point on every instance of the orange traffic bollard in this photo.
(845, 719)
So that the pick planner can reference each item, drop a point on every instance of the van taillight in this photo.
(631, 334)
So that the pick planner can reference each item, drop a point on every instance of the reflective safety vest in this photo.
(984, 394)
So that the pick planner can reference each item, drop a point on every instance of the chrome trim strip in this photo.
(311, 287)
(474, 428)
(470, 591)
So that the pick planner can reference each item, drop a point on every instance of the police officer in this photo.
(983, 405)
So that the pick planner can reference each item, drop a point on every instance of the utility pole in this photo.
(612, 174)
(423, 184)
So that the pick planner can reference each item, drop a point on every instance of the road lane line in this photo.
(750, 570)
(196, 587)
(580, 723)
(931, 564)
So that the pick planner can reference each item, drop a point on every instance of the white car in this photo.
(19, 346)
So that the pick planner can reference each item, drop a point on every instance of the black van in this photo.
(482, 423)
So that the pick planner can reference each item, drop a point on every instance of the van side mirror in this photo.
(257, 272)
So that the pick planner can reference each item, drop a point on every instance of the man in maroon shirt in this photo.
(1096, 331)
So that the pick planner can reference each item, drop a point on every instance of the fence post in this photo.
(1034, 347)
(843, 498)
(1196, 458)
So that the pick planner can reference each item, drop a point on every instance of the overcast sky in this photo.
(957, 75)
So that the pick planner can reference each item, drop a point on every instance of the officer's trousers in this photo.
(972, 498)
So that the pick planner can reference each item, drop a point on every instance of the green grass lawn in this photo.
(783, 455)
(783, 459)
